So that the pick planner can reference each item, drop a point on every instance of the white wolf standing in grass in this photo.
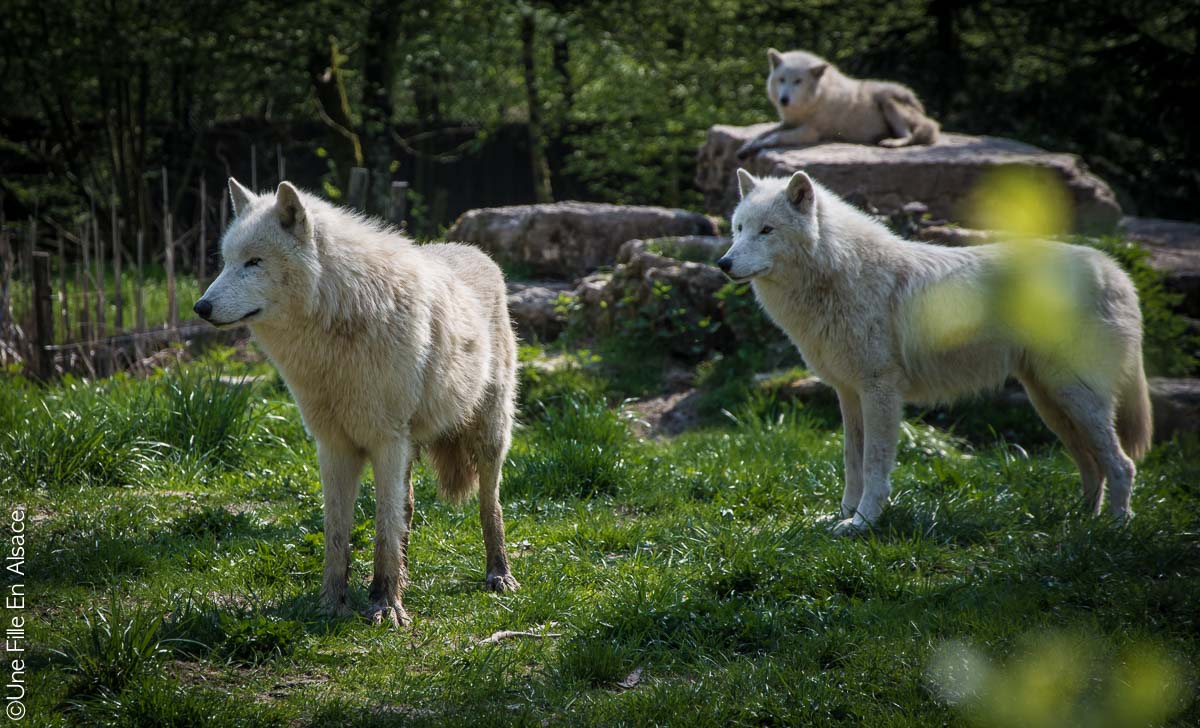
(885, 320)
(387, 347)
(817, 102)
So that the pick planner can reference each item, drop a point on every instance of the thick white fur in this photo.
(817, 102)
(883, 321)
(387, 347)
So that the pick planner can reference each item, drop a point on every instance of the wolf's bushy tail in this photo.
(458, 477)
(1135, 420)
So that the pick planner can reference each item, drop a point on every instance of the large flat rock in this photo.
(570, 239)
(941, 175)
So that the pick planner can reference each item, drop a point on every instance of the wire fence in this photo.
(79, 298)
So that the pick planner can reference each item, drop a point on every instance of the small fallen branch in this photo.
(507, 634)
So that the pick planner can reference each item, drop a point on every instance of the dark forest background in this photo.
(486, 103)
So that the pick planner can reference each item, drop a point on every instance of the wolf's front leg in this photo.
(393, 517)
(882, 408)
(340, 471)
(852, 450)
(779, 136)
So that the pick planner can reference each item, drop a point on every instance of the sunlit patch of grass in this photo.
(703, 562)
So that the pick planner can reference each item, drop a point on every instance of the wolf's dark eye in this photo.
(253, 262)
(766, 230)
(739, 227)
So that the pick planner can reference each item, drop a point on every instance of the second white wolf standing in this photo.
(885, 320)
(387, 347)
(817, 102)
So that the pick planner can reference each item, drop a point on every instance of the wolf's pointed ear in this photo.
(746, 182)
(818, 71)
(775, 57)
(239, 196)
(290, 209)
(800, 192)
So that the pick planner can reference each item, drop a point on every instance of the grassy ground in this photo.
(175, 553)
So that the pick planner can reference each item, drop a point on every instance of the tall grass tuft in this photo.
(205, 418)
(578, 448)
(70, 438)
(114, 648)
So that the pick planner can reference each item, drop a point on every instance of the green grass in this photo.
(175, 554)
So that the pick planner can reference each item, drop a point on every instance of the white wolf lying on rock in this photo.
(817, 102)
(387, 347)
(885, 320)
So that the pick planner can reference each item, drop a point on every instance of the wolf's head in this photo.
(794, 79)
(270, 259)
(776, 222)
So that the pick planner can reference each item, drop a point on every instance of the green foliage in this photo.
(627, 90)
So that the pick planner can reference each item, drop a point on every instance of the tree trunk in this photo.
(379, 73)
(537, 144)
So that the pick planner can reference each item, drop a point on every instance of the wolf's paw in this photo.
(894, 143)
(855, 526)
(1122, 517)
(501, 583)
(382, 615)
(336, 606)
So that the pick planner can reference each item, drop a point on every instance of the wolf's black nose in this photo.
(203, 309)
(724, 264)
(784, 100)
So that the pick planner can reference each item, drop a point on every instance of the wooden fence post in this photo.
(101, 306)
(280, 161)
(118, 294)
(254, 168)
(169, 245)
(85, 314)
(202, 240)
(172, 304)
(139, 302)
(43, 297)
(356, 193)
(399, 203)
(64, 292)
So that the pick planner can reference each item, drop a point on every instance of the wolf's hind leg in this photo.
(882, 408)
(1073, 439)
(491, 516)
(898, 122)
(340, 472)
(1093, 413)
(393, 516)
(852, 450)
